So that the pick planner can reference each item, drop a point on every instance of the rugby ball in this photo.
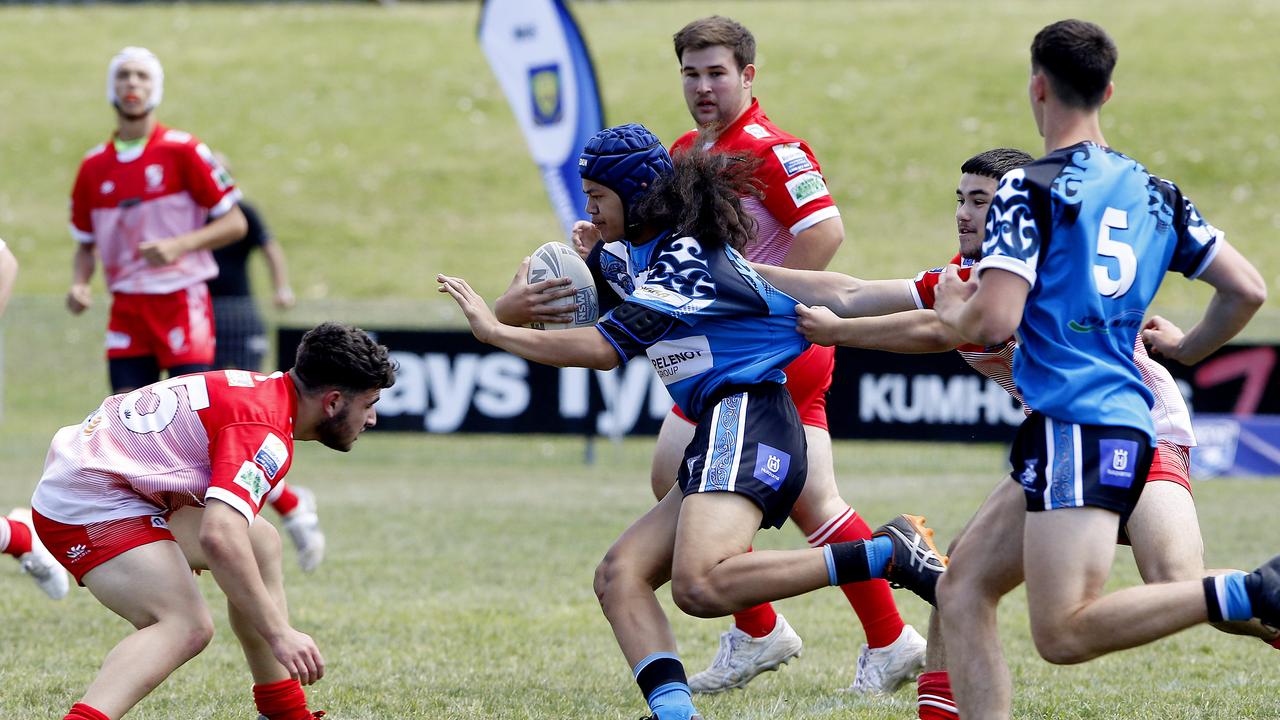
(557, 260)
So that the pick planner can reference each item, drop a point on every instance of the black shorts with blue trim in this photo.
(1061, 465)
(751, 443)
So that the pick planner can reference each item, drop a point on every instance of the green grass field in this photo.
(380, 149)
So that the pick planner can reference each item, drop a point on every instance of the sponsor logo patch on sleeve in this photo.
(250, 478)
(807, 188)
(239, 378)
(272, 455)
(792, 158)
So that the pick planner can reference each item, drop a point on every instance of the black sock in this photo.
(849, 560)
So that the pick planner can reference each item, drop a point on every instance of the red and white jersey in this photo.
(795, 193)
(226, 435)
(1169, 410)
(172, 186)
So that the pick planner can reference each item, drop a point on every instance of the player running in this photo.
(140, 202)
(719, 336)
(797, 226)
(1076, 246)
(169, 478)
(1163, 528)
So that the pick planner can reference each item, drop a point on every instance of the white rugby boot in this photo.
(881, 671)
(39, 563)
(742, 657)
(303, 525)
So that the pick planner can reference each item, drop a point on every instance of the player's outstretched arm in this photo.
(224, 538)
(1239, 291)
(576, 347)
(915, 331)
(524, 302)
(844, 295)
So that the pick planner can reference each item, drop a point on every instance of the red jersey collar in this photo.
(751, 114)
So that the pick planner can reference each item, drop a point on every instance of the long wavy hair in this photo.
(702, 198)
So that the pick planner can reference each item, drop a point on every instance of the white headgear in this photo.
(150, 61)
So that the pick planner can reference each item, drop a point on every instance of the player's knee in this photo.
(609, 578)
(1059, 645)
(1173, 569)
(195, 634)
(698, 596)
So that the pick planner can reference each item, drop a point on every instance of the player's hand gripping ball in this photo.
(557, 260)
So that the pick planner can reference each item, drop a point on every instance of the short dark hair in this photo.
(1078, 57)
(333, 355)
(714, 31)
(994, 163)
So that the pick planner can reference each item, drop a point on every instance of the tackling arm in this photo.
(845, 295)
(915, 331)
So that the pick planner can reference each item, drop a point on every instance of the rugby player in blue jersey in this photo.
(1076, 246)
(719, 336)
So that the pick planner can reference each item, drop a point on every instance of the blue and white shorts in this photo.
(1062, 465)
(751, 443)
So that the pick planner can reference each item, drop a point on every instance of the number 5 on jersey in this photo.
(1120, 252)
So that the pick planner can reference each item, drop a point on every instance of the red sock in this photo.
(933, 697)
(19, 538)
(871, 600)
(756, 621)
(80, 711)
(283, 700)
(287, 501)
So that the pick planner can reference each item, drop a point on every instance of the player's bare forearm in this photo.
(224, 538)
(845, 295)
(1239, 291)
(277, 266)
(814, 247)
(223, 231)
(83, 263)
(982, 312)
(916, 331)
(575, 347)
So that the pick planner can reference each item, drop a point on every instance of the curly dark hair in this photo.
(702, 198)
(333, 355)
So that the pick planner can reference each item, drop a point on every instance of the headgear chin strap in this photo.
(148, 60)
(627, 159)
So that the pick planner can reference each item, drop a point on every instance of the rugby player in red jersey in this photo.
(169, 478)
(140, 203)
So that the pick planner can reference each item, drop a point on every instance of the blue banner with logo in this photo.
(539, 57)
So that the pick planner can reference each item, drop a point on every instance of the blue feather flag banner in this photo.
(539, 57)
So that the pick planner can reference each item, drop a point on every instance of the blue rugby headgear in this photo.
(626, 159)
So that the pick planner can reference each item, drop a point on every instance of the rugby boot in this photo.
(881, 671)
(1263, 586)
(916, 563)
(742, 657)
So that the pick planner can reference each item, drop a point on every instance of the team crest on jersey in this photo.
(272, 455)
(756, 131)
(107, 187)
(251, 479)
(792, 158)
(545, 93)
(807, 188)
(155, 176)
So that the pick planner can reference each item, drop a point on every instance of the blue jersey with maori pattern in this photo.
(703, 316)
(1093, 233)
